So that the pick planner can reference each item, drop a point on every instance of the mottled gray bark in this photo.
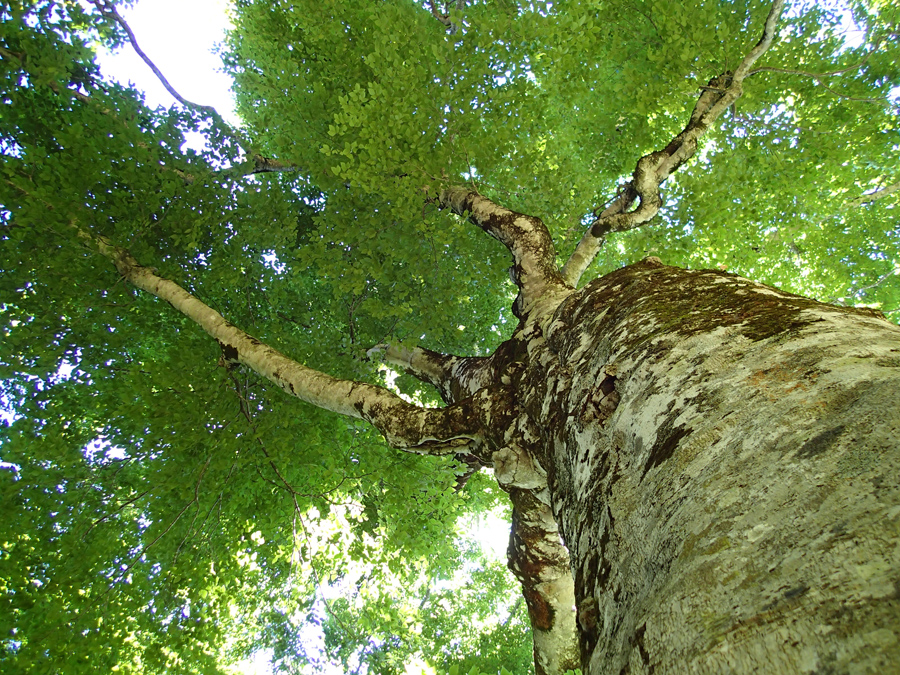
(723, 462)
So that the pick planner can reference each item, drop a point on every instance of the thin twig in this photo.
(147, 547)
(790, 71)
(315, 572)
(113, 513)
(881, 280)
(882, 101)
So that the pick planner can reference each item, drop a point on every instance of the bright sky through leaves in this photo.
(180, 36)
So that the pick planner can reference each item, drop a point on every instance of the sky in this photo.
(180, 37)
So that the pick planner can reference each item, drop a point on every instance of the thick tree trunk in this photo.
(723, 463)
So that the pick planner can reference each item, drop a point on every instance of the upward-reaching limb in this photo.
(534, 268)
(652, 169)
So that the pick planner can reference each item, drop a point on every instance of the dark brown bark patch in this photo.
(229, 353)
(820, 443)
(796, 592)
(665, 448)
(588, 618)
(539, 610)
(637, 640)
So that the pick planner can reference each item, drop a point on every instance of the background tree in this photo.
(173, 511)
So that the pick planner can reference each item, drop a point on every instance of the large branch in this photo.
(405, 426)
(534, 268)
(653, 169)
(430, 367)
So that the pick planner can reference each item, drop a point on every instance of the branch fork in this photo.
(652, 170)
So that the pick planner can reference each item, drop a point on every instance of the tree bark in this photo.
(723, 463)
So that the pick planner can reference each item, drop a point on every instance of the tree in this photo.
(719, 457)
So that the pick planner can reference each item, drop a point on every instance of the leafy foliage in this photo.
(167, 514)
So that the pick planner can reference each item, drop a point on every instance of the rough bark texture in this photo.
(723, 463)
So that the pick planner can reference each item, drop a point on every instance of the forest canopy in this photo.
(168, 512)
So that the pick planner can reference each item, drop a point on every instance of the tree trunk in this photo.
(723, 463)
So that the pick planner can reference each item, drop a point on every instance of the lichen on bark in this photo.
(737, 509)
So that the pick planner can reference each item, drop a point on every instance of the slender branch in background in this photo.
(108, 9)
(316, 576)
(791, 71)
(819, 77)
(298, 512)
(881, 280)
(212, 507)
(883, 101)
(54, 87)
(117, 510)
(873, 196)
(256, 163)
(867, 198)
(653, 169)
(843, 302)
(194, 500)
(244, 406)
(513, 610)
